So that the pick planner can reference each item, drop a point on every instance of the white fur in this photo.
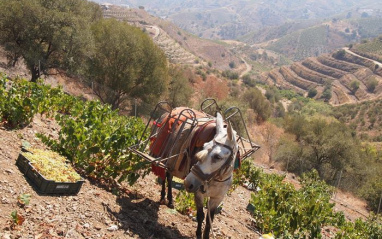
(213, 156)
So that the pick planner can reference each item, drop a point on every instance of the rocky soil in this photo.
(96, 212)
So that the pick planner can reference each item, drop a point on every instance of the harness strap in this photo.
(200, 174)
(217, 174)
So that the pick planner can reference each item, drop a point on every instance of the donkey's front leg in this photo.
(212, 205)
(169, 190)
(199, 214)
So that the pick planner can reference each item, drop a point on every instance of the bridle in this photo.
(218, 174)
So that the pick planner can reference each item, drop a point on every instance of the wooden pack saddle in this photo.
(179, 135)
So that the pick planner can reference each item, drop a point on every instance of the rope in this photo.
(209, 216)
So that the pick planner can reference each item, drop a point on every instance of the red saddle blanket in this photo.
(188, 142)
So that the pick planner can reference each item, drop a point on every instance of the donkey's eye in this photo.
(217, 157)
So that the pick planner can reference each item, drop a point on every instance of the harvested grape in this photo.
(51, 165)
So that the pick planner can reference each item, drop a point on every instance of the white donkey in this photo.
(212, 175)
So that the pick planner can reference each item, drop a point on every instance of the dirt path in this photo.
(248, 68)
(355, 54)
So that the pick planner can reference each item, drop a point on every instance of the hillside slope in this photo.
(308, 39)
(348, 74)
(179, 46)
(97, 212)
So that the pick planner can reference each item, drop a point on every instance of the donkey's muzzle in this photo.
(192, 183)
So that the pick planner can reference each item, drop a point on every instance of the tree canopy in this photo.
(258, 103)
(126, 64)
(180, 90)
(47, 33)
(320, 144)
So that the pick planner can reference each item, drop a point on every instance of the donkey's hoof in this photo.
(170, 205)
(162, 202)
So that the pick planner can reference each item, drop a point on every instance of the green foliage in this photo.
(279, 111)
(180, 88)
(291, 213)
(3, 94)
(333, 150)
(327, 93)
(230, 74)
(278, 207)
(247, 174)
(296, 124)
(340, 54)
(247, 80)
(273, 95)
(184, 203)
(16, 219)
(371, 228)
(372, 193)
(312, 93)
(93, 136)
(371, 49)
(98, 148)
(47, 33)
(289, 94)
(320, 144)
(21, 100)
(313, 107)
(24, 199)
(371, 84)
(126, 64)
(258, 103)
(354, 114)
(354, 85)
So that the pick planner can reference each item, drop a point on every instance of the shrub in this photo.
(327, 94)
(230, 74)
(371, 84)
(99, 149)
(372, 194)
(371, 228)
(339, 54)
(312, 93)
(21, 100)
(291, 213)
(354, 85)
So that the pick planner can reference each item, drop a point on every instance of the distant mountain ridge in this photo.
(226, 19)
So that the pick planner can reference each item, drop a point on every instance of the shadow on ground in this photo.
(139, 215)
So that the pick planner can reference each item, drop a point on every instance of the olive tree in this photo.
(126, 64)
(180, 88)
(328, 147)
(256, 101)
(47, 34)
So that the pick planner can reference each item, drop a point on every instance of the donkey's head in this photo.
(215, 160)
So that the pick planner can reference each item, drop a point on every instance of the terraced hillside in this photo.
(371, 49)
(350, 77)
(179, 46)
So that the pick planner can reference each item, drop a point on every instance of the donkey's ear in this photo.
(219, 124)
(230, 133)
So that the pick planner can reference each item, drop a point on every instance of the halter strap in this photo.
(206, 178)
